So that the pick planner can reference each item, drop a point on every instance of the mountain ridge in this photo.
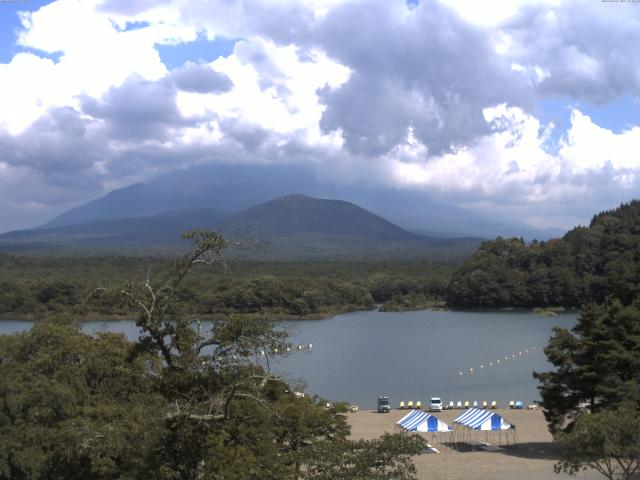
(230, 189)
(295, 226)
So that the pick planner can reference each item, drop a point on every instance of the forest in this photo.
(182, 402)
(33, 286)
(587, 265)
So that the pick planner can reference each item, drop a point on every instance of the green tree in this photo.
(586, 265)
(72, 405)
(597, 363)
(607, 441)
(386, 457)
(187, 400)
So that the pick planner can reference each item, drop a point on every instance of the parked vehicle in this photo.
(383, 405)
(435, 405)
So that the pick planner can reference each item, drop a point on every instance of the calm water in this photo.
(408, 356)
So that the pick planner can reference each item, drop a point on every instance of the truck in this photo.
(435, 405)
(383, 405)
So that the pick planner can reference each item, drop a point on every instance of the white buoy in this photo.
(481, 366)
(498, 361)
(310, 346)
(299, 347)
(288, 349)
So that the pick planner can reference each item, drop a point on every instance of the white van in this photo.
(435, 405)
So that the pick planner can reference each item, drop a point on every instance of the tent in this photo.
(479, 420)
(419, 421)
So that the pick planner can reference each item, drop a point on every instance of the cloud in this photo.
(586, 49)
(197, 78)
(593, 167)
(137, 110)
(60, 146)
(95, 55)
(431, 97)
(425, 69)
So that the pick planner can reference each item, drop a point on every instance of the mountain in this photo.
(230, 189)
(303, 215)
(303, 228)
(225, 188)
(294, 227)
(162, 229)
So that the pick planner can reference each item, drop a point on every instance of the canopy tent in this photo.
(475, 420)
(478, 419)
(419, 421)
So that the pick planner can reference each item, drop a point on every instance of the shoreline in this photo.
(284, 317)
(273, 317)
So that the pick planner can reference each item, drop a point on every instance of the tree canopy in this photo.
(607, 441)
(188, 400)
(586, 265)
(597, 363)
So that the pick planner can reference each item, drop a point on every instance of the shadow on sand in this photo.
(528, 450)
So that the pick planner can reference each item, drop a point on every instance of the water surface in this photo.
(407, 356)
(416, 355)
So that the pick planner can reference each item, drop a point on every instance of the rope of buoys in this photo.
(483, 366)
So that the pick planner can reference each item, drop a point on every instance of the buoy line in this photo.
(500, 361)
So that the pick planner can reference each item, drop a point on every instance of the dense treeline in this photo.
(35, 286)
(586, 265)
(181, 402)
(591, 398)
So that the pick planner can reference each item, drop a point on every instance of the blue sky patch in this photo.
(202, 49)
(10, 24)
(617, 115)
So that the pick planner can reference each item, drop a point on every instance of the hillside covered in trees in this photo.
(586, 265)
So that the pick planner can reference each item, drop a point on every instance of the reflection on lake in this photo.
(409, 355)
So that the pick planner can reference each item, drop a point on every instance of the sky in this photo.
(515, 109)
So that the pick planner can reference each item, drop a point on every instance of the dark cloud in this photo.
(589, 50)
(137, 110)
(425, 69)
(193, 77)
(60, 146)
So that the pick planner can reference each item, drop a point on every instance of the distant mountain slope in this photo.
(225, 188)
(300, 215)
(232, 188)
(294, 227)
(162, 229)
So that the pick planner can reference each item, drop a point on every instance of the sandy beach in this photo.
(531, 458)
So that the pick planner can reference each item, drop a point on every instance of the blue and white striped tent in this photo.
(478, 419)
(419, 421)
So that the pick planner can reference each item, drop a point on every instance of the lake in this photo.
(408, 356)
